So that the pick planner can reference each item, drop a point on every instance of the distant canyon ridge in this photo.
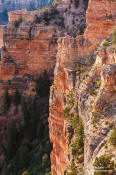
(11, 5)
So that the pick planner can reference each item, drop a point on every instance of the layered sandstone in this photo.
(29, 46)
(101, 20)
(27, 50)
(23, 14)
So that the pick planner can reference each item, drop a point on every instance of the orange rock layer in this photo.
(27, 50)
(101, 20)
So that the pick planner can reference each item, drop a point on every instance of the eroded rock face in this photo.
(27, 50)
(64, 81)
(94, 101)
(29, 46)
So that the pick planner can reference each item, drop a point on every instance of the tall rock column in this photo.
(101, 22)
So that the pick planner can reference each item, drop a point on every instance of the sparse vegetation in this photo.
(76, 3)
(38, 19)
(114, 37)
(27, 147)
(72, 169)
(17, 23)
(67, 112)
(90, 61)
(85, 74)
(25, 140)
(91, 91)
(95, 117)
(113, 137)
(104, 43)
(98, 83)
(25, 173)
(78, 144)
(75, 121)
(55, 3)
(17, 97)
(43, 85)
(81, 31)
(6, 102)
(53, 85)
(103, 165)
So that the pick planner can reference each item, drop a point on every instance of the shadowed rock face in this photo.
(20, 4)
(101, 20)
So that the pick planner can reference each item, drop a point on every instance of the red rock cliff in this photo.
(27, 50)
(101, 20)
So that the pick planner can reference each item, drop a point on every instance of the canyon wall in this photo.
(73, 72)
(27, 50)
(29, 42)
(80, 87)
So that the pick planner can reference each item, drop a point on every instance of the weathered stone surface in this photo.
(23, 55)
(101, 20)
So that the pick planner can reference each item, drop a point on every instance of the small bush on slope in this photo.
(102, 164)
(113, 137)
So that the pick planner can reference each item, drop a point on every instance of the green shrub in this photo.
(17, 97)
(85, 74)
(104, 43)
(95, 117)
(43, 85)
(6, 101)
(11, 140)
(45, 160)
(76, 3)
(72, 170)
(67, 113)
(17, 23)
(73, 22)
(113, 137)
(9, 82)
(25, 173)
(39, 130)
(77, 67)
(103, 163)
(114, 37)
(37, 19)
(53, 85)
(91, 92)
(90, 60)
(23, 156)
(24, 110)
(75, 121)
(78, 144)
(48, 173)
(98, 83)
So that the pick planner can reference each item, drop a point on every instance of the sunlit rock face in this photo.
(101, 22)
(25, 54)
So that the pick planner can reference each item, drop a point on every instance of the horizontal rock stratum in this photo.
(73, 73)
(82, 97)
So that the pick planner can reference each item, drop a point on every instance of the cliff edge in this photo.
(83, 96)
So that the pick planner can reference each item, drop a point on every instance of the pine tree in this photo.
(17, 97)
(6, 101)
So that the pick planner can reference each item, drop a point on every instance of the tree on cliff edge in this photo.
(6, 101)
